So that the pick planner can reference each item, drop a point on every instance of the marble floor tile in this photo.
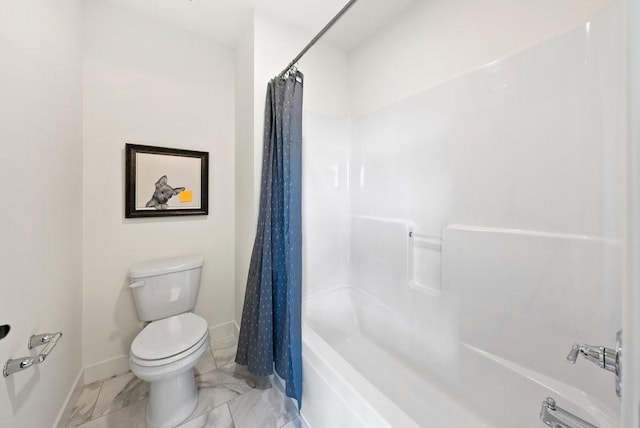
(132, 416)
(266, 408)
(228, 397)
(296, 422)
(119, 392)
(218, 387)
(220, 417)
(241, 372)
(224, 351)
(83, 410)
(206, 363)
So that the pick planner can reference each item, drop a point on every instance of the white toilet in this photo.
(166, 351)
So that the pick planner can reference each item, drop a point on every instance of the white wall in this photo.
(245, 222)
(149, 83)
(433, 41)
(325, 150)
(41, 152)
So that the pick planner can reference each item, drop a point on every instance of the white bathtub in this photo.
(354, 376)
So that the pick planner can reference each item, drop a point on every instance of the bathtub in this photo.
(354, 375)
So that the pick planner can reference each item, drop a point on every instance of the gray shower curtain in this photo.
(270, 331)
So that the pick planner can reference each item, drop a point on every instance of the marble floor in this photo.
(228, 397)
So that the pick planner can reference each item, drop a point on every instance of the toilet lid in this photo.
(170, 336)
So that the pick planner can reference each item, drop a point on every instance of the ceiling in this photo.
(225, 20)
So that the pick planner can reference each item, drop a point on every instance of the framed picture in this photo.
(164, 182)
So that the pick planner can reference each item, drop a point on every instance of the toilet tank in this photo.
(162, 288)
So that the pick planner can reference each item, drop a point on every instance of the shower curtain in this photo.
(270, 331)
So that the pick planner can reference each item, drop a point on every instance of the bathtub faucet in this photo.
(556, 417)
(605, 358)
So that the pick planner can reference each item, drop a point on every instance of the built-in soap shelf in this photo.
(387, 252)
(423, 262)
(427, 242)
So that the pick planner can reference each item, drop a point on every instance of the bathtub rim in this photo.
(354, 390)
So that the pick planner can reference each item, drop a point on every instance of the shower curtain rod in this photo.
(318, 36)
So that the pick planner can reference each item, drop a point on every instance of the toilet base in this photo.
(171, 401)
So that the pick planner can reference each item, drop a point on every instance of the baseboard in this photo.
(106, 368)
(72, 398)
(223, 331)
(120, 364)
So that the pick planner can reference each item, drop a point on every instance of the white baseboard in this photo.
(72, 398)
(223, 331)
(107, 368)
(120, 364)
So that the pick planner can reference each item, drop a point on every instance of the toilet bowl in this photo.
(166, 351)
(164, 354)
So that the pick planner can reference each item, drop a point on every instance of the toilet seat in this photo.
(171, 339)
(202, 343)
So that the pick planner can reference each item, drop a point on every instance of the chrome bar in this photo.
(318, 36)
(52, 341)
(16, 365)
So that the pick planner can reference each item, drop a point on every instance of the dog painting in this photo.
(146, 195)
(162, 194)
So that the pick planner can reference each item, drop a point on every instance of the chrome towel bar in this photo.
(16, 365)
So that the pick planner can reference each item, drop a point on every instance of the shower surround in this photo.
(476, 231)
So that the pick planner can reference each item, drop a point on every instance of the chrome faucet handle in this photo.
(573, 354)
(605, 358)
(550, 403)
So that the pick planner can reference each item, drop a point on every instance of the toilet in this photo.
(166, 351)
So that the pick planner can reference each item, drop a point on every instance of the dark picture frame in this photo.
(163, 194)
